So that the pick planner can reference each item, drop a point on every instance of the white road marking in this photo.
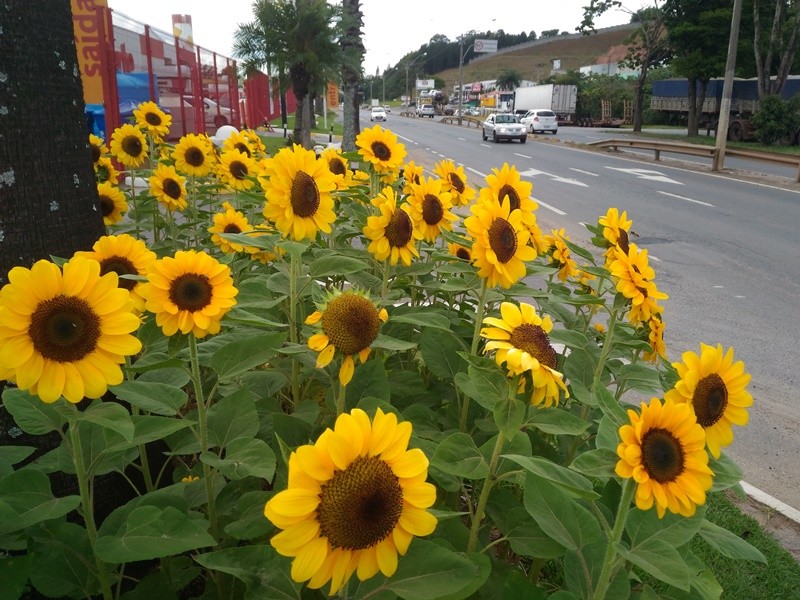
(718, 287)
(738, 296)
(487, 145)
(478, 173)
(522, 155)
(548, 206)
(655, 258)
(764, 498)
(532, 172)
(647, 174)
(687, 199)
(462, 139)
(584, 172)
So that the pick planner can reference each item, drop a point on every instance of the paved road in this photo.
(726, 251)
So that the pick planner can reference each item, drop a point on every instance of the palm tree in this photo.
(352, 56)
(508, 80)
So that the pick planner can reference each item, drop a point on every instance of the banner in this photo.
(485, 45)
(87, 27)
(425, 84)
(333, 95)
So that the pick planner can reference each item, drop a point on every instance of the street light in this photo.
(461, 54)
(408, 66)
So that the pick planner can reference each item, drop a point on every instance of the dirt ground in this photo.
(784, 530)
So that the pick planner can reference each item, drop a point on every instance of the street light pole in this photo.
(461, 54)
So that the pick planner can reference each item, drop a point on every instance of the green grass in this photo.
(277, 124)
(709, 140)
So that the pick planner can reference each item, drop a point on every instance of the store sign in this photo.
(87, 27)
(333, 95)
(425, 84)
(485, 45)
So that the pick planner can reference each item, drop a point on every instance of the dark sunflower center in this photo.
(361, 505)
(172, 188)
(238, 169)
(232, 228)
(64, 328)
(95, 152)
(662, 455)
(503, 240)
(120, 265)
(509, 192)
(463, 253)
(710, 399)
(623, 241)
(304, 195)
(194, 156)
(381, 151)
(432, 209)
(153, 119)
(399, 230)
(106, 205)
(351, 322)
(241, 147)
(533, 340)
(132, 145)
(337, 166)
(191, 292)
(456, 182)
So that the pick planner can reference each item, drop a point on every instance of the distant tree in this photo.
(774, 47)
(352, 58)
(549, 33)
(508, 79)
(532, 35)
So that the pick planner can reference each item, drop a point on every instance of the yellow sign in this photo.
(86, 22)
(333, 95)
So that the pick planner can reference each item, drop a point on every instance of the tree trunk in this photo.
(638, 106)
(300, 81)
(353, 50)
(692, 124)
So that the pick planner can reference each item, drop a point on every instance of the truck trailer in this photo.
(561, 99)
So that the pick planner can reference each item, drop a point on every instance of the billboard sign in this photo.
(485, 45)
(425, 84)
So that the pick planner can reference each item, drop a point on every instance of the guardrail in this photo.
(699, 150)
(469, 120)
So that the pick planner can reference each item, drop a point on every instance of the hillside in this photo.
(533, 60)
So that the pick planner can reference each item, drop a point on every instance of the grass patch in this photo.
(277, 124)
(709, 140)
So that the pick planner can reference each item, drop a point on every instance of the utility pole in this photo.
(727, 87)
(461, 54)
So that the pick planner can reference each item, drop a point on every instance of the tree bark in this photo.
(353, 52)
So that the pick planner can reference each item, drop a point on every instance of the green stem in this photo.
(464, 408)
(293, 334)
(628, 488)
(87, 508)
(484, 497)
(385, 283)
(133, 202)
(340, 400)
(601, 363)
(202, 418)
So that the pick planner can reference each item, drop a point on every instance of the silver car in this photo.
(502, 126)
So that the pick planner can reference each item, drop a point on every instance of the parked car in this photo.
(426, 110)
(377, 113)
(387, 108)
(540, 119)
(449, 110)
(504, 126)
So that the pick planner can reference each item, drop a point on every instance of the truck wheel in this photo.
(735, 132)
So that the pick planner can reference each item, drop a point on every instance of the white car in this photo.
(504, 126)
(540, 119)
(377, 113)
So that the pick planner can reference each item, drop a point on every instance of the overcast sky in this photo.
(391, 29)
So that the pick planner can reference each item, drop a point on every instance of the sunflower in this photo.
(633, 277)
(337, 163)
(112, 203)
(298, 189)
(655, 337)
(168, 187)
(190, 292)
(561, 255)
(454, 181)
(615, 230)
(240, 141)
(128, 145)
(123, 255)
(231, 221)
(501, 242)
(431, 208)
(237, 170)
(380, 148)
(65, 333)
(663, 449)
(714, 385)
(153, 120)
(521, 340)
(392, 234)
(460, 251)
(105, 172)
(355, 499)
(505, 183)
(350, 322)
(255, 142)
(194, 155)
(260, 254)
(412, 174)
(98, 147)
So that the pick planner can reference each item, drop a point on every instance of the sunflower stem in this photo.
(484, 497)
(133, 202)
(607, 572)
(87, 507)
(340, 400)
(293, 326)
(462, 420)
(202, 418)
(385, 283)
(601, 363)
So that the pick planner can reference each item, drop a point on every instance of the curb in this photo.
(767, 500)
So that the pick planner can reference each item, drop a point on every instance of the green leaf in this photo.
(509, 414)
(31, 414)
(11, 455)
(458, 455)
(676, 530)
(158, 398)
(60, 567)
(26, 498)
(440, 353)
(661, 560)
(424, 319)
(336, 265)
(528, 539)
(488, 387)
(598, 463)
(234, 416)
(239, 356)
(264, 573)
(728, 543)
(640, 377)
(571, 482)
(484, 569)
(582, 570)
(430, 572)
(568, 337)
(607, 434)
(611, 406)
(244, 457)
(392, 344)
(14, 573)
(556, 421)
(109, 415)
(151, 532)
(172, 376)
(726, 472)
(148, 428)
(559, 516)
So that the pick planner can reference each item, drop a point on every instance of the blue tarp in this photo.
(133, 89)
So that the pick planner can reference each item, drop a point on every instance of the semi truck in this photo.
(672, 95)
(561, 99)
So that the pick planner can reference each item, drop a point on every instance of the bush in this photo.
(777, 120)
